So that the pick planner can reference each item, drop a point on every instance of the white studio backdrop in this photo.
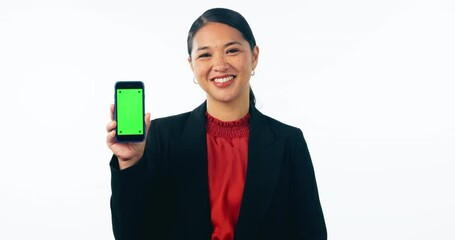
(370, 83)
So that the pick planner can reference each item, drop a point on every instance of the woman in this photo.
(224, 170)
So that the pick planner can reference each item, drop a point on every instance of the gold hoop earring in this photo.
(195, 81)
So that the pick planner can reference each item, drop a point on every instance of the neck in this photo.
(228, 111)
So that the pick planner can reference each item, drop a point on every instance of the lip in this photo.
(223, 84)
(222, 76)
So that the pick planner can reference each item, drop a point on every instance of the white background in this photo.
(370, 83)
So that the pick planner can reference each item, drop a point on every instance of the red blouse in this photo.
(227, 148)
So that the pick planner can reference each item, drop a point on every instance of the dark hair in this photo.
(230, 18)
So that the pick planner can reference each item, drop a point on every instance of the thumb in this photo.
(147, 122)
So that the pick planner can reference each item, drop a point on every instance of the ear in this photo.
(255, 56)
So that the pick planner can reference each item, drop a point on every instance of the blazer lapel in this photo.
(192, 174)
(264, 161)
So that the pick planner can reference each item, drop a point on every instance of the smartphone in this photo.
(129, 111)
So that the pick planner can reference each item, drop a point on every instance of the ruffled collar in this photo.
(230, 129)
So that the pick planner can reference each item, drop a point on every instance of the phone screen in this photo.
(129, 111)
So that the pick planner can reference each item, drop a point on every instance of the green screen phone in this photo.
(129, 111)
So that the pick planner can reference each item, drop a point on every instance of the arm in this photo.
(129, 199)
(138, 201)
(307, 217)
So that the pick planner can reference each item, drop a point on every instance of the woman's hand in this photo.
(128, 154)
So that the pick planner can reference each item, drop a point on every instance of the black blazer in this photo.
(166, 194)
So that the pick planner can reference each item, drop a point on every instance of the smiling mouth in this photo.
(223, 80)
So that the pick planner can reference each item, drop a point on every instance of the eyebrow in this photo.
(225, 45)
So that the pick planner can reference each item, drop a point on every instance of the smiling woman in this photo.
(222, 62)
(236, 24)
(224, 170)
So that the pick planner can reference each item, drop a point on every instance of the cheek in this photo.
(243, 63)
(243, 66)
(200, 69)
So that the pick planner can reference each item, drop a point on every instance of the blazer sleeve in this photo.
(138, 204)
(307, 216)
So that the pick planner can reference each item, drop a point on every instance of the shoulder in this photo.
(175, 125)
(172, 121)
(280, 129)
(279, 125)
(170, 125)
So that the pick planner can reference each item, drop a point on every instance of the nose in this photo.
(220, 64)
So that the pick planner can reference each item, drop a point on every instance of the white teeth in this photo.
(223, 80)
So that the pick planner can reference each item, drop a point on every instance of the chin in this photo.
(223, 99)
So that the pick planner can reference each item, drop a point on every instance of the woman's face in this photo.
(222, 62)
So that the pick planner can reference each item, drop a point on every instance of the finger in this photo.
(110, 138)
(147, 118)
(147, 122)
(112, 111)
(111, 126)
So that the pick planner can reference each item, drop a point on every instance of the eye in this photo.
(232, 51)
(204, 55)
